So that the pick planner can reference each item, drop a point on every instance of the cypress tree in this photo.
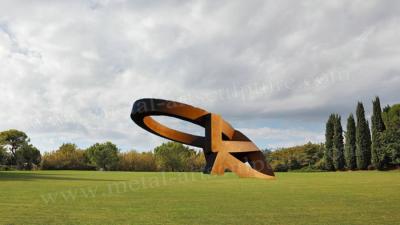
(363, 139)
(369, 143)
(338, 146)
(350, 146)
(329, 133)
(378, 126)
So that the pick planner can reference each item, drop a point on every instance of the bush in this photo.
(371, 167)
(280, 167)
(134, 161)
(297, 157)
(67, 157)
(196, 162)
(175, 157)
(320, 165)
(7, 168)
(309, 169)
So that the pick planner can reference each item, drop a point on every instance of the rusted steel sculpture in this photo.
(224, 147)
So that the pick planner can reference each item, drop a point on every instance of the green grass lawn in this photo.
(88, 197)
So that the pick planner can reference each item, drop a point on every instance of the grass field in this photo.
(88, 197)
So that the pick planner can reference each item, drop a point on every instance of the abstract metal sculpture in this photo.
(224, 147)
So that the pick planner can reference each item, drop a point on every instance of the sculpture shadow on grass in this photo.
(25, 176)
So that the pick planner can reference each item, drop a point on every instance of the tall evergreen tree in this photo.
(338, 146)
(378, 126)
(369, 144)
(329, 133)
(363, 139)
(350, 146)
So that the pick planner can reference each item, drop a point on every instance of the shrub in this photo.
(280, 167)
(134, 161)
(67, 157)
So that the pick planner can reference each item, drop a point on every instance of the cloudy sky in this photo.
(71, 70)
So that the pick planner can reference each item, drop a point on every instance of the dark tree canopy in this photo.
(329, 134)
(104, 156)
(27, 156)
(13, 140)
(363, 139)
(378, 153)
(369, 144)
(350, 146)
(377, 120)
(338, 146)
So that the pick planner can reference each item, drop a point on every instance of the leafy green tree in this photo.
(391, 116)
(104, 156)
(13, 140)
(391, 136)
(27, 156)
(338, 146)
(391, 146)
(350, 146)
(173, 156)
(68, 148)
(329, 133)
(378, 153)
(313, 153)
(363, 139)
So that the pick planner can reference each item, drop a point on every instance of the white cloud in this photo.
(71, 71)
(282, 137)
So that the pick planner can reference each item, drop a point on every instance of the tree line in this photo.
(170, 156)
(361, 146)
(17, 153)
(366, 146)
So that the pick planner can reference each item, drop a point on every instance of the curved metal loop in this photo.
(224, 147)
